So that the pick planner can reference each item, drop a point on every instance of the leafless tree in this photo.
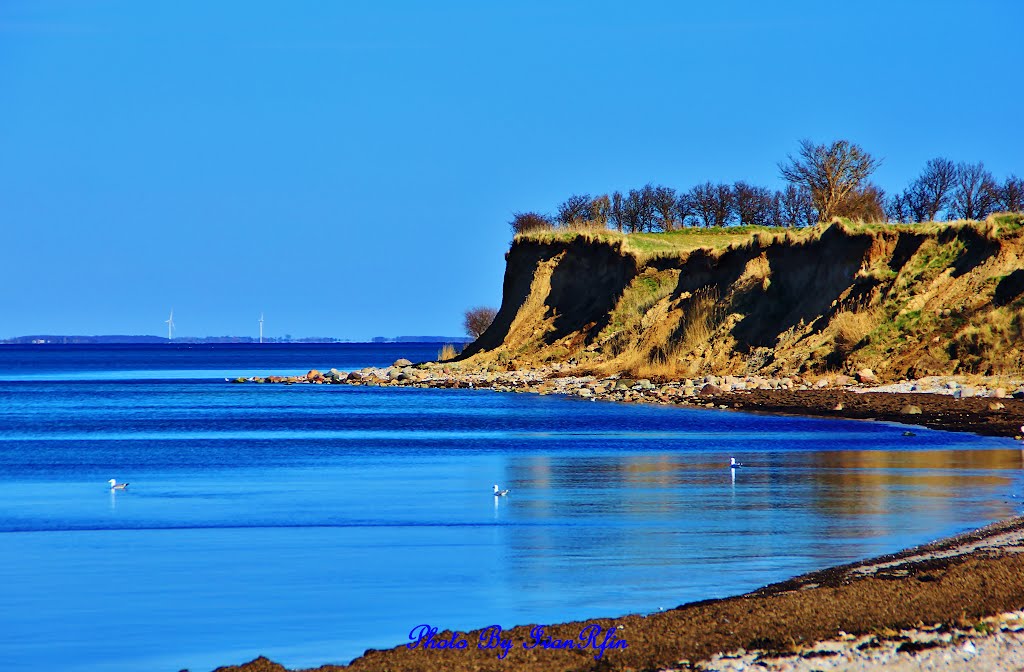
(713, 204)
(524, 222)
(797, 206)
(928, 195)
(775, 210)
(477, 320)
(830, 172)
(684, 209)
(638, 209)
(664, 202)
(615, 212)
(897, 209)
(753, 204)
(600, 209)
(1011, 194)
(866, 203)
(975, 192)
(574, 209)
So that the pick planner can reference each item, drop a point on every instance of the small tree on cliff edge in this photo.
(525, 222)
(832, 173)
(478, 319)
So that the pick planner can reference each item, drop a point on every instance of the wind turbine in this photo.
(170, 325)
(261, 327)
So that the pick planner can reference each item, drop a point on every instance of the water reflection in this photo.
(684, 515)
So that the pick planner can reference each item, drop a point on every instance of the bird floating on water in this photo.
(733, 464)
(498, 492)
(114, 485)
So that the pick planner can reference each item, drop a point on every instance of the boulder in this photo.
(1019, 394)
(867, 377)
(401, 362)
(313, 374)
(710, 390)
(996, 406)
(910, 409)
(843, 380)
(355, 375)
(1000, 393)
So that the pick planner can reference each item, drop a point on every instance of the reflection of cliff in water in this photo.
(682, 511)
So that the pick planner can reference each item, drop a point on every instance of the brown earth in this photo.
(954, 581)
(938, 411)
(906, 301)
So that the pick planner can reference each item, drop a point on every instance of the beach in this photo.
(991, 407)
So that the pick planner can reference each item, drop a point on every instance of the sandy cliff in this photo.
(905, 301)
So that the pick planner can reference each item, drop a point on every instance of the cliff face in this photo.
(902, 300)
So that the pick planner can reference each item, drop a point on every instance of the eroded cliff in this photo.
(905, 301)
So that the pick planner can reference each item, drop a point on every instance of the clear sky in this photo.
(349, 168)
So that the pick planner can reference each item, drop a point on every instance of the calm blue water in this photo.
(308, 523)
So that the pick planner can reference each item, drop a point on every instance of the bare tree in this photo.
(524, 222)
(600, 209)
(866, 203)
(897, 209)
(1011, 194)
(574, 209)
(753, 204)
(664, 203)
(797, 206)
(775, 210)
(712, 203)
(615, 212)
(928, 195)
(638, 209)
(831, 172)
(975, 192)
(684, 209)
(476, 320)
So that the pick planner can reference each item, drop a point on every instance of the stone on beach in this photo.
(866, 376)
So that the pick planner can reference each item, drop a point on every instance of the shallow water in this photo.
(307, 523)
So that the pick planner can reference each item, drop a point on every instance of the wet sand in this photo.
(980, 415)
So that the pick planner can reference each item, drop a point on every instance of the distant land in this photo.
(49, 339)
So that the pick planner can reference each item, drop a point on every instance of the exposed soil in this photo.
(955, 581)
(938, 411)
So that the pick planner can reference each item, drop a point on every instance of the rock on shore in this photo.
(985, 408)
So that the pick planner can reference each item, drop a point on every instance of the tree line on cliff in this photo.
(824, 181)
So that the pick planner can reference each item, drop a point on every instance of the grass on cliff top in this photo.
(652, 244)
(681, 241)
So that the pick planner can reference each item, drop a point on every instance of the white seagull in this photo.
(498, 492)
(114, 485)
(733, 464)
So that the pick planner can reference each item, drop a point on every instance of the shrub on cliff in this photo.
(525, 222)
(478, 319)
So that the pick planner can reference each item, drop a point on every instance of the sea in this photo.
(308, 523)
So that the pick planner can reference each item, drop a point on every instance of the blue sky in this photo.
(349, 168)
